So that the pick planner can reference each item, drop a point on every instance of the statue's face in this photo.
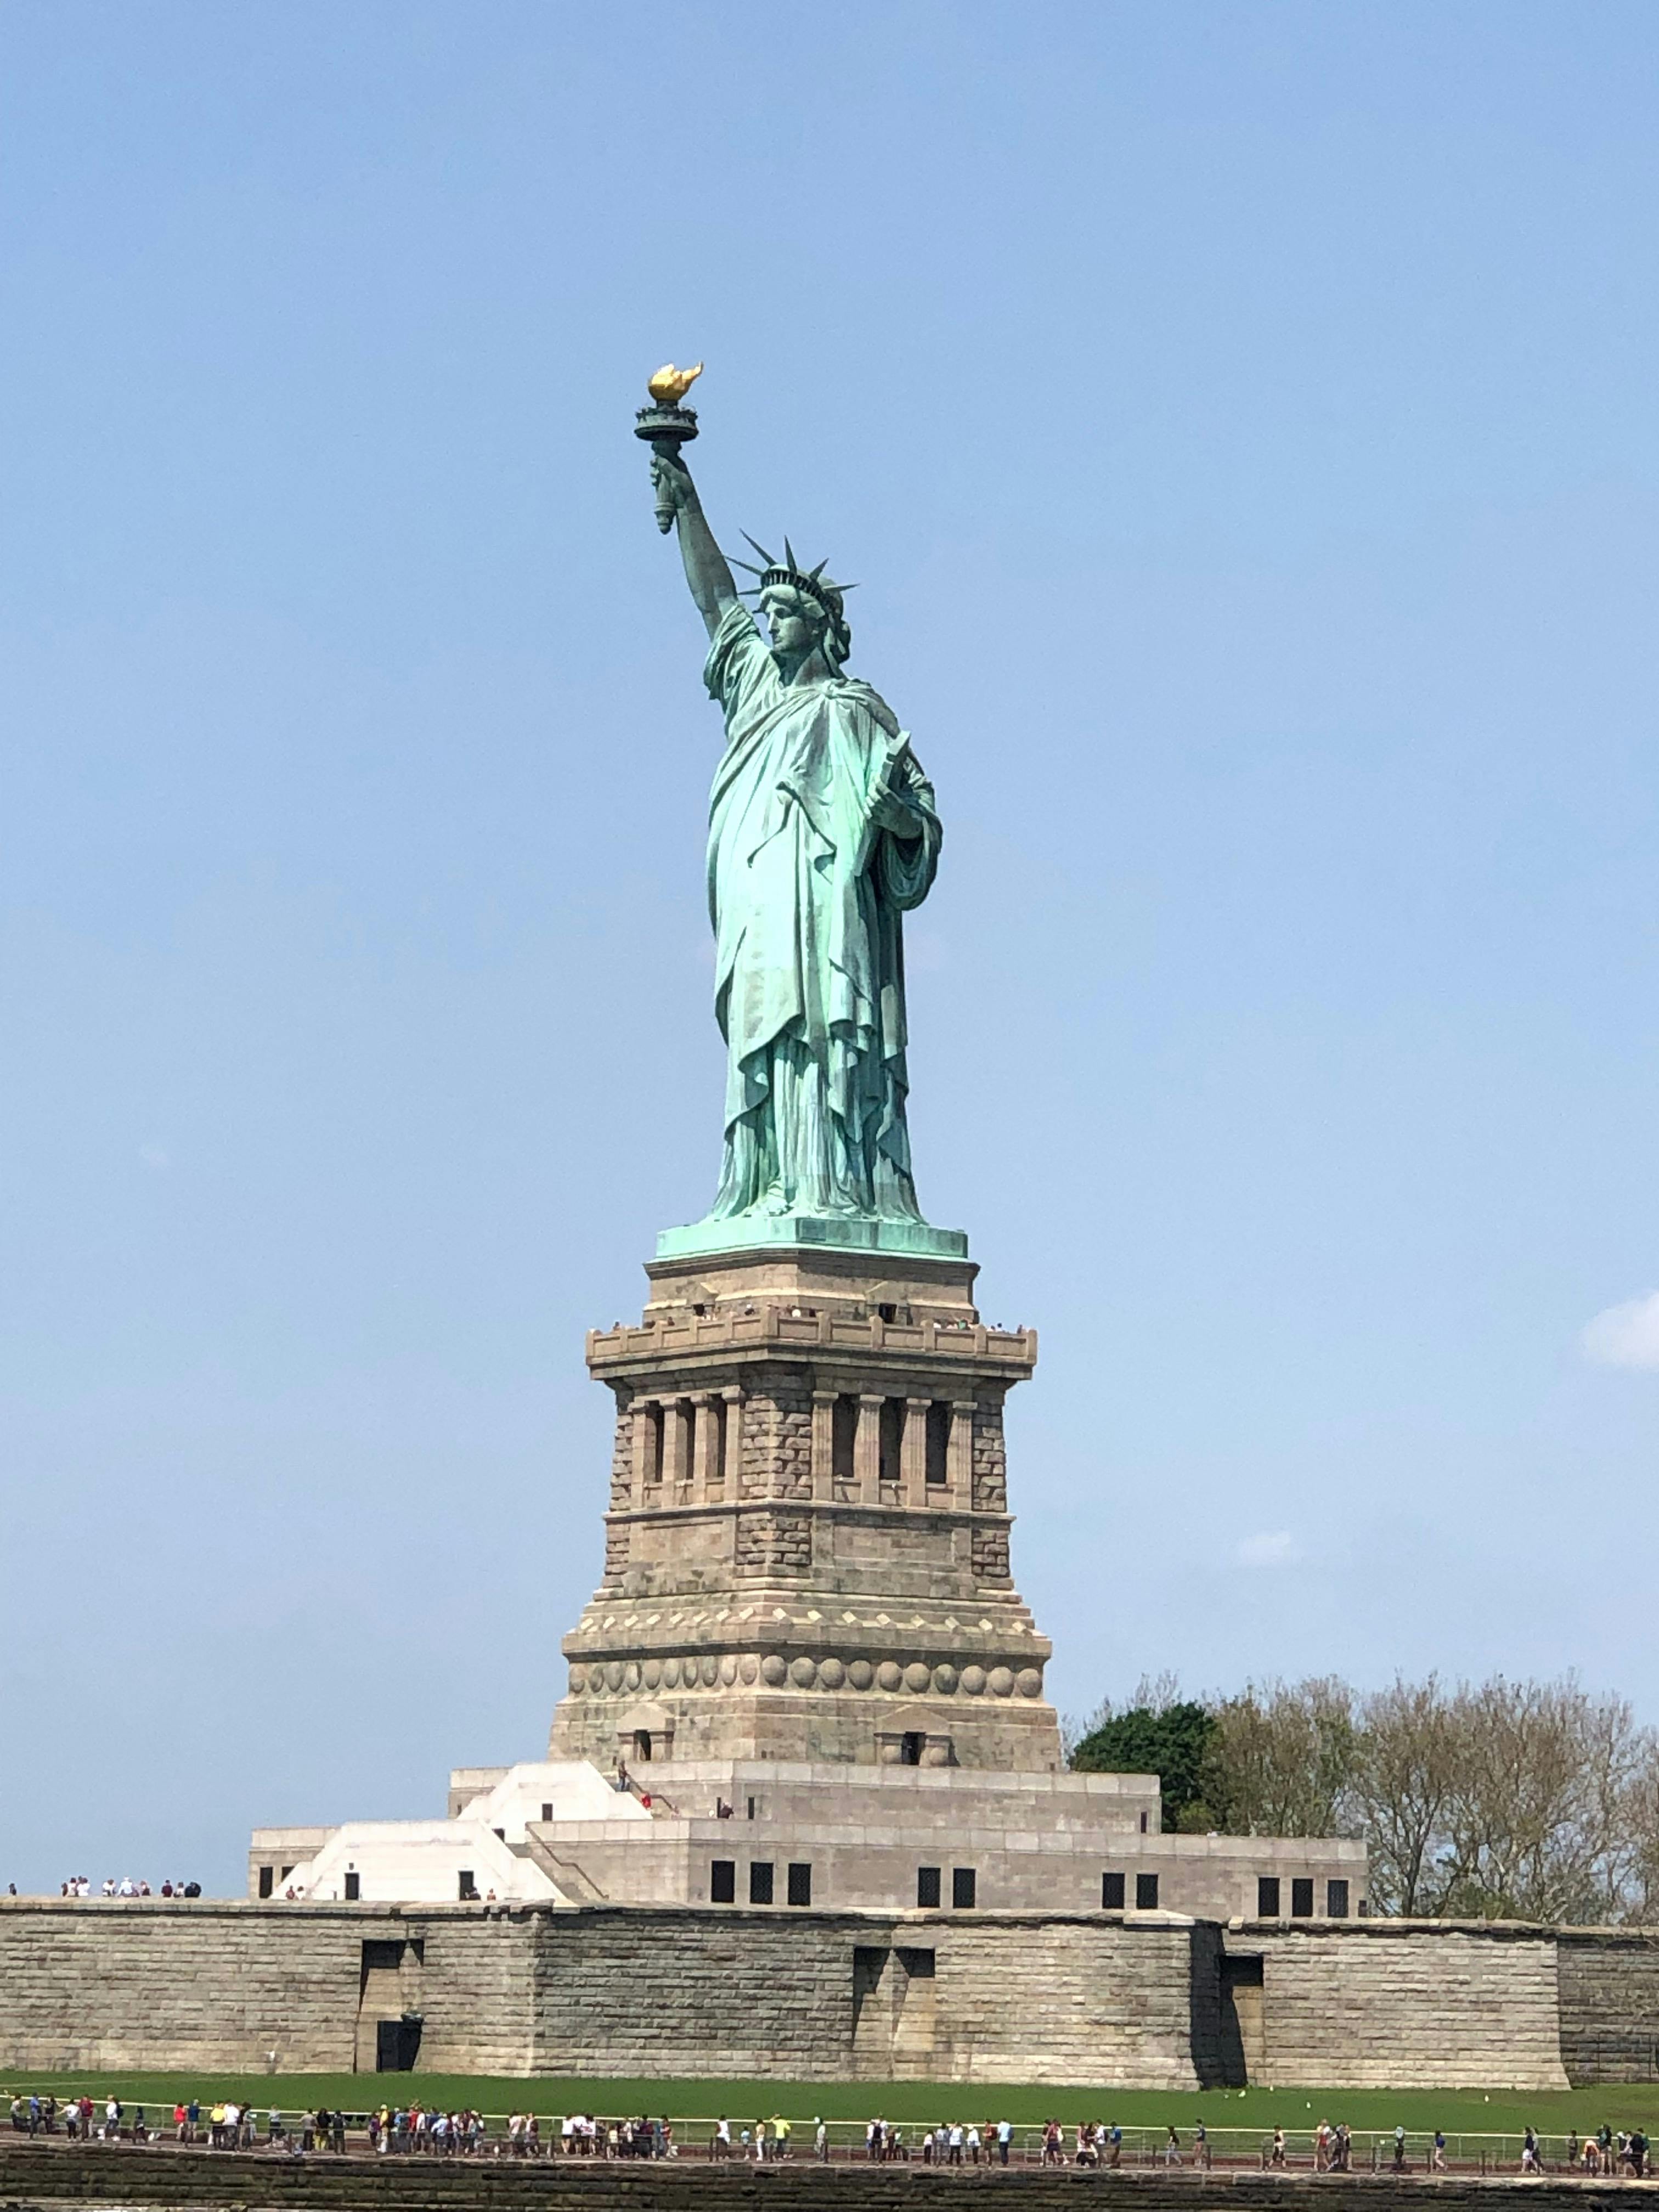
(793, 630)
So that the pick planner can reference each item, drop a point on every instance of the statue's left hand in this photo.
(895, 809)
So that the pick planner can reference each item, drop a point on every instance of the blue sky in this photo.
(1241, 420)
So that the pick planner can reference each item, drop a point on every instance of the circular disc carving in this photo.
(917, 1675)
(1002, 1681)
(860, 1674)
(889, 1674)
(945, 1680)
(973, 1680)
(631, 1675)
(650, 1673)
(748, 1668)
(831, 1674)
(671, 1673)
(614, 1671)
(803, 1672)
(578, 1680)
(709, 1668)
(773, 1669)
(1028, 1682)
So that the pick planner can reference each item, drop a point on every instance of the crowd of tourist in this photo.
(80, 1885)
(416, 2129)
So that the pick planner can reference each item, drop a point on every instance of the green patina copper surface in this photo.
(822, 834)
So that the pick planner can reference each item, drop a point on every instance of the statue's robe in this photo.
(822, 832)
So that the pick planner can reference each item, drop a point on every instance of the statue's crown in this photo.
(788, 573)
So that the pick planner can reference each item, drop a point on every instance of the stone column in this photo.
(823, 1443)
(913, 1453)
(702, 1444)
(959, 1455)
(644, 1425)
(866, 1452)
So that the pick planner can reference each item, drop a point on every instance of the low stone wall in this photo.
(1609, 1986)
(829, 1997)
(675, 1990)
(604, 1990)
(125, 1985)
(1399, 2003)
(32, 2176)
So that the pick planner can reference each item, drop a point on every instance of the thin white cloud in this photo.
(1626, 1335)
(1274, 1547)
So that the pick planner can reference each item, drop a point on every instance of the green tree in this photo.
(1170, 1743)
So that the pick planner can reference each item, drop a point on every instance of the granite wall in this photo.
(1609, 1986)
(814, 1995)
(1391, 2003)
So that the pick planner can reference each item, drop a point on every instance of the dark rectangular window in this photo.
(464, 1888)
(1336, 1899)
(353, 1887)
(892, 1439)
(962, 1886)
(800, 1884)
(267, 1881)
(723, 1882)
(939, 1444)
(1146, 1892)
(1302, 1900)
(1111, 1893)
(1267, 1897)
(760, 1882)
(654, 1444)
(846, 1426)
(1143, 1823)
(927, 1888)
(717, 1412)
(547, 1812)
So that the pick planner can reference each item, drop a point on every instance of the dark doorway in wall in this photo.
(1244, 2040)
(397, 2045)
(910, 1745)
(642, 1745)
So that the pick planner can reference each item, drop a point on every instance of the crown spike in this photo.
(789, 554)
(762, 550)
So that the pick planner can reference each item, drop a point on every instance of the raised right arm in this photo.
(712, 584)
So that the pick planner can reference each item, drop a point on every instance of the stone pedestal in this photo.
(806, 1546)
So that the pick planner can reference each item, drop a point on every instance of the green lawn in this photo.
(1255, 2112)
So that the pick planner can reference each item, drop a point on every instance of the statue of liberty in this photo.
(822, 833)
